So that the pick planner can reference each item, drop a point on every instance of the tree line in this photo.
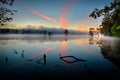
(23, 31)
(39, 31)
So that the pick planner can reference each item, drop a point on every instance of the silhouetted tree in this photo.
(5, 13)
(111, 20)
(49, 33)
(45, 32)
(91, 33)
(66, 32)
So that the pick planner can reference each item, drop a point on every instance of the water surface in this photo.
(74, 56)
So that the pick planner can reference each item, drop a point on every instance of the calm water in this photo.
(78, 56)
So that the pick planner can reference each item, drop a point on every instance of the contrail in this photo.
(42, 15)
(66, 11)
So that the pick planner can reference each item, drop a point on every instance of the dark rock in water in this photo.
(6, 59)
(22, 54)
(15, 51)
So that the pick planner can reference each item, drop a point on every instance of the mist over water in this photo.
(73, 56)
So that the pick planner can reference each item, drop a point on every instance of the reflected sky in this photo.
(83, 56)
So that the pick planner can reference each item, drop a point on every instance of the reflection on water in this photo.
(79, 56)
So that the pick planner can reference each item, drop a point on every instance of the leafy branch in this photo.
(5, 13)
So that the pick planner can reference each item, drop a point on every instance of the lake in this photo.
(75, 56)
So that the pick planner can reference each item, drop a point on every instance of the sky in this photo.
(68, 14)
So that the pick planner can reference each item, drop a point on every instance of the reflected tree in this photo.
(50, 34)
(110, 49)
(95, 40)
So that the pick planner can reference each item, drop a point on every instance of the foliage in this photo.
(111, 20)
(116, 30)
(5, 13)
